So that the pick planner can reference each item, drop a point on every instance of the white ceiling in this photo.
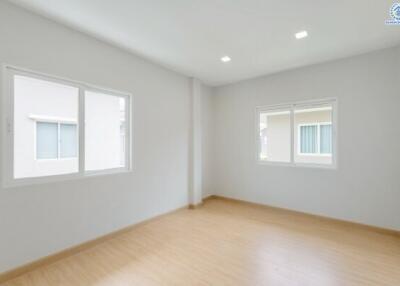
(190, 36)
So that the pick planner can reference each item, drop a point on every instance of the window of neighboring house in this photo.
(325, 138)
(315, 139)
(68, 140)
(298, 133)
(58, 128)
(56, 140)
(46, 140)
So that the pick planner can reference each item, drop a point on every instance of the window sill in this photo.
(56, 159)
(25, 182)
(313, 155)
(297, 165)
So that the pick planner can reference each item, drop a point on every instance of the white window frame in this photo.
(318, 153)
(292, 107)
(9, 72)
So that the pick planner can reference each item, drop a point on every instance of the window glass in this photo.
(43, 129)
(68, 141)
(274, 136)
(46, 140)
(326, 138)
(313, 134)
(104, 131)
(39, 106)
(308, 139)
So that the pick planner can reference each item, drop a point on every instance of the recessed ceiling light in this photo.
(225, 59)
(301, 35)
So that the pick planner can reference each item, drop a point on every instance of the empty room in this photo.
(199, 142)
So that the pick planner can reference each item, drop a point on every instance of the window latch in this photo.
(8, 128)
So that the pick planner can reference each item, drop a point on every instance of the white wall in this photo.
(201, 133)
(39, 220)
(207, 126)
(195, 168)
(366, 185)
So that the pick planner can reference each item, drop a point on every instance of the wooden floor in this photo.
(231, 243)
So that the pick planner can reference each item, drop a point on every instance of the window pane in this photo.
(68, 141)
(122, 129)
(326, 139)
(46, 140)
(308, 139)
(312, 141)
(275, 136)
(104, 131)
(37, 101)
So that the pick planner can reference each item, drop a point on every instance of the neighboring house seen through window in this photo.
(298, 133)
(63, 128)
